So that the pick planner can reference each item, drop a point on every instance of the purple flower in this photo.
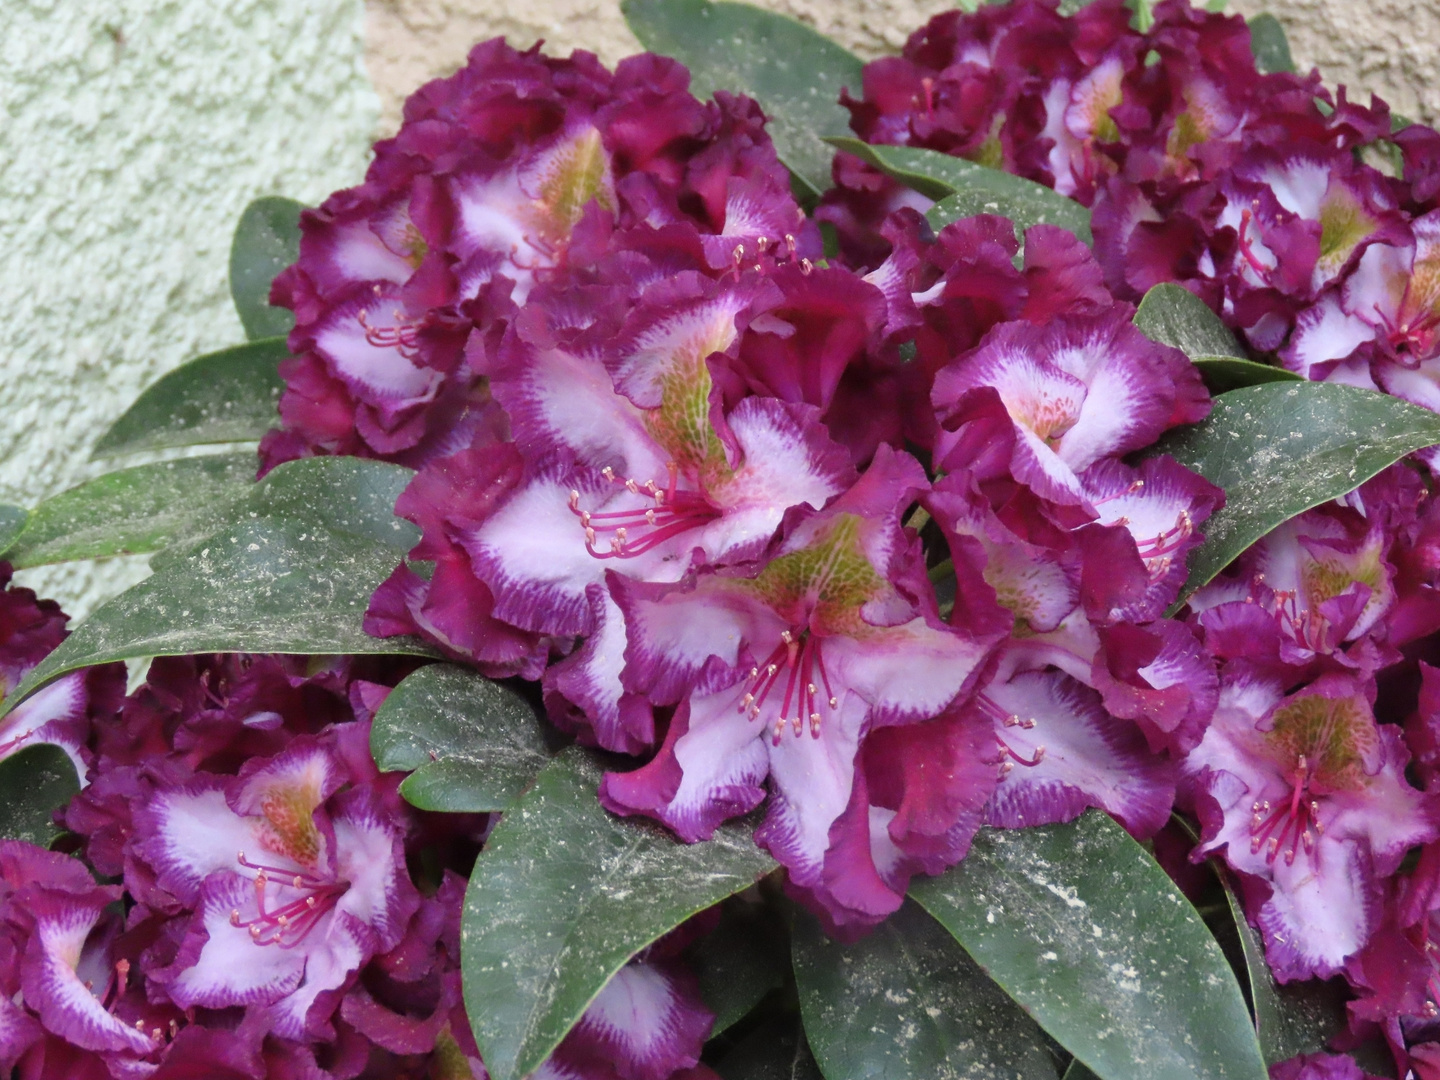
(498, 176)
(624, 457)
(61, 712)
(1304, 795)
(1062, 397)
(782, 672)
(295, 884)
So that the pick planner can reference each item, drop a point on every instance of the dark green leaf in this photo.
(12, 521)
(965, 189)
(228, 396)
(793, 72)
(1281, 448)
(33, 784)
(267, 240)
(776, 1050)
(739, 963)
(906, 1001)
(1172, 315)
(469, 743)
(1269, 44)
(1299, 1018)
(1222, 373)
(563, 894)
(1082, 928)
(1078, 1071)
(291, 572)
(137, 510)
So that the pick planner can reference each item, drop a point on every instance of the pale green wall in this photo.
(132, 133)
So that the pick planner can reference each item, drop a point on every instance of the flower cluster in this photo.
(699, 535)
(500, 175)
(1311, 225)
(884, 543)
(271, 925)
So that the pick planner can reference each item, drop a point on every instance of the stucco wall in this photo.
(132, 133)
(1389, 47)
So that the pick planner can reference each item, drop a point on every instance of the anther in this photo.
(814, 725)
(806, 266)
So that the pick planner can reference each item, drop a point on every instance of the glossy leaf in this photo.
(222, 397)
(792, 71)
(964, 189)
(1298, 1018)
(1269, 44)
(291, 571)
(1085, 930)
(134, 511)
(1078, 1071)
(469, 743)
(738, 963)
(1224, 373)
(34, 784)
(1281, 448)
(1172, 315)
(12, 521)
(907, 1001)
(267, 240)
(776, 1050)
(563, 894)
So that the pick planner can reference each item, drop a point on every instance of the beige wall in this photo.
(1389, 47)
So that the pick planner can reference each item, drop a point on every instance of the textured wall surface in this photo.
(132, 133)
(1388, 47)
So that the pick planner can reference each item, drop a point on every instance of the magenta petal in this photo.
(1067, 753)
(649, 1021)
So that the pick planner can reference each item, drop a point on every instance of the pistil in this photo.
(1296, 819)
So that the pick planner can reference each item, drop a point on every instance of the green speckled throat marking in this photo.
(682, 422)
(832, 579)
(577, 171)
(1344, 225)
(1327, 575)
(1335, 736)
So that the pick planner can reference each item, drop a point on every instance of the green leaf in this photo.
(227, 396)
(291, 572)
(776, 1050)
(964, 189)
(1298, 1018)
(906, 1001)
(12, 522)
(1222, 373)
(563, 894)
(1269, 44)
(739, 963)
(133, 511)
(1078, 1071)
(1172, 315)
(33, 784)
(267, 240)
(1281, 448)
(1085, 930)
(469, 743)
(793, 72)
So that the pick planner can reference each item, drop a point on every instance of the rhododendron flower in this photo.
(295, 884)
(1305, 796)
(1063, 396)
(648, 1023)
(59, 713)
(1381, 327)
(623, 458)
(497, 173)
(1311, 596)
(783, 672)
